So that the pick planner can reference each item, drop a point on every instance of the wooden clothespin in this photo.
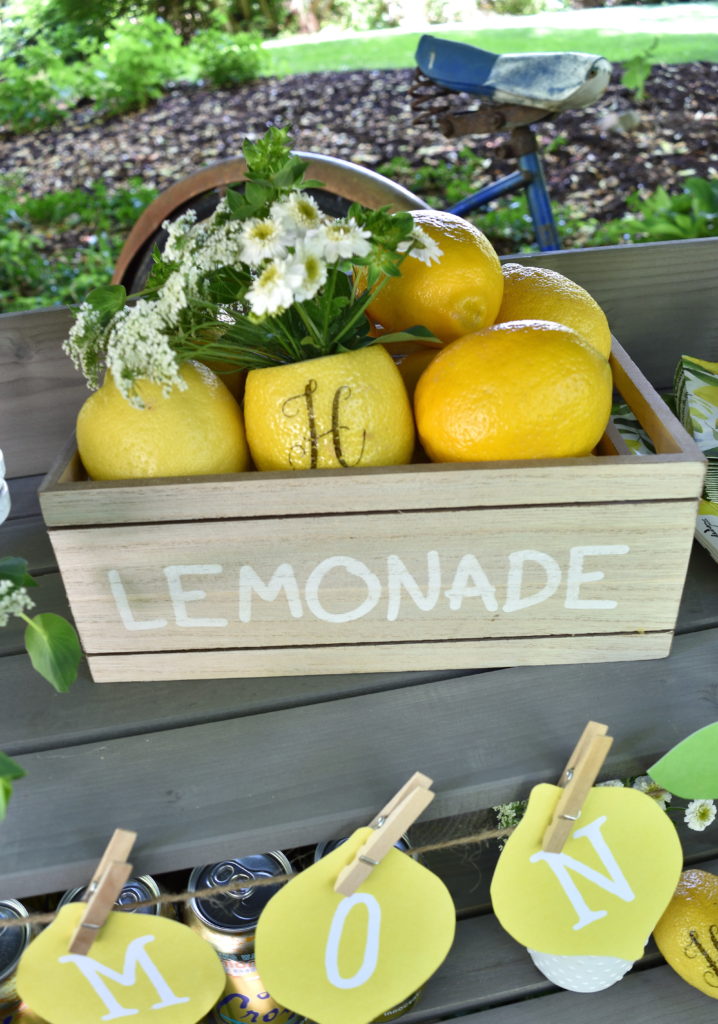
(578, 776)
(389, 825)
(105, 886)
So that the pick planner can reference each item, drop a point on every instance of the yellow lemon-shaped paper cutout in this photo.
(192, 432)
(687, 933)
(602, 895)
(345, 410)
(536, 293)
(136, 965)
(350, 958)
(529, 389)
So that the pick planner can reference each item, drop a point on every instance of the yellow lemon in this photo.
(347, 409)
(187, 433)
(412, 366)
(529, 389)
(535, 293)
(687, 934)
(459, 294)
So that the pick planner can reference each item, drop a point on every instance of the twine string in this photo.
(258, 883)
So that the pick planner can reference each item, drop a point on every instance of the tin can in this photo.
(228, 920)
(134, 891)
(13, 943)
(329, 845)
(245, 998)
(24, 1015)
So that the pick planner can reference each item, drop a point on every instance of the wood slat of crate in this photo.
(423, 566)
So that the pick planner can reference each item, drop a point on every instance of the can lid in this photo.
(329, 845)
(238, 909)
(138, 890)
(12, 940)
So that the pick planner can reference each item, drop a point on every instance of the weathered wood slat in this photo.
(653, 996)
(658, 297)
(314, 771)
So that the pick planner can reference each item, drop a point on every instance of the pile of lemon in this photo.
(519, 371)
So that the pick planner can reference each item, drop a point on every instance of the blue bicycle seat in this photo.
(551, 81)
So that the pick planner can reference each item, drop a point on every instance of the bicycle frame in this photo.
(530, 178)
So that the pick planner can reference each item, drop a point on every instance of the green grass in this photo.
(681, 33)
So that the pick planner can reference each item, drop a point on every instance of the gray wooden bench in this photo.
(206, 770)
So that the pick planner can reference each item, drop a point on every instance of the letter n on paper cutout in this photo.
(562, 864)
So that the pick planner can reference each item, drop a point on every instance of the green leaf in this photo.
(15, 570)
(108, 299)
(9, 772)
(690, 769)
(54, 649)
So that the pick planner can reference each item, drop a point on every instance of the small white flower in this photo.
(177, 232)
(272, 291)
(138, 346)
(611, 782)
(699, 814)
(13, 601)
(262, 239)
(340, 239)
(646, 785)
(306, 273)
(297, 214)
(424, 248)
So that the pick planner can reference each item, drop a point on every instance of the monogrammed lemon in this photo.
(348, 409)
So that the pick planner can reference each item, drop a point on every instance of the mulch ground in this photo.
(597, 157)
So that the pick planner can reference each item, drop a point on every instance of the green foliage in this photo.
(136, 61)
(35, 89)
(660, 217)
(224, 60)
(54, 649)
(10, 772)
(637, 70)
(32, 273)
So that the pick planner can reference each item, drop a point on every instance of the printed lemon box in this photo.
(413, 567)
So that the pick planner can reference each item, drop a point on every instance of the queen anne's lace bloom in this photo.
(13, 601)
(138, 346)
(178, 232)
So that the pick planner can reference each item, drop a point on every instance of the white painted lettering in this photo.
(470, 580)
(398, 576)
(355, 568)
(514, 583)
(117, 589)
(180, 597)
(371, 946)
(135, 955)
(282, 580)
(576, 576)
(562, 863)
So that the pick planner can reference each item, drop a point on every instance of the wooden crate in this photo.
(443, 566)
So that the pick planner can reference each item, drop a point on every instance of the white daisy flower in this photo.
(262, 239)
(699, 814)
(424, 248)
(341, 239)
(646, 785)
(272, 291)
(13, 600)
(297, 214)
(306, 272)
(611, 782)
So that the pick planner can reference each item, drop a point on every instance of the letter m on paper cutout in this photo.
(135, 955)
(614, 882)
